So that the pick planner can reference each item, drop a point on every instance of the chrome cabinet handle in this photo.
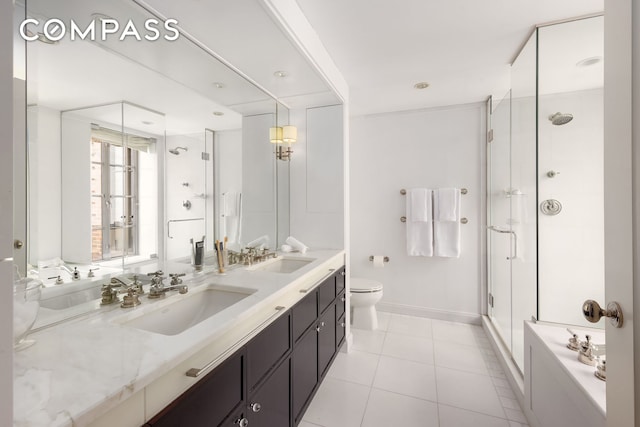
(242, 422)
(343, 324)
(343, 299)
(343, 273)
(255, 407)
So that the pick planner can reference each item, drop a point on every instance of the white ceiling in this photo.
(462, 48)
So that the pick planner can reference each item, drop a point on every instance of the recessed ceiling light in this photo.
(218, 113)
(147, 122)
(281, 74)
(218, 85)
(589, 61)
(421, 85)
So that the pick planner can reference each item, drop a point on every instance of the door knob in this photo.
(242, 422)
(592, 311)
(255, 407)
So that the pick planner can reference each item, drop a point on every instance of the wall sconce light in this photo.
(283, 137)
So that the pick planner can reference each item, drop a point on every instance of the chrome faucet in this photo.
(158, 289)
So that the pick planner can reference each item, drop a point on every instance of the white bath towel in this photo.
(419, 225)
(446, 224)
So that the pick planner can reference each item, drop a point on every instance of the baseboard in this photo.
(511, 370)
(411, 310)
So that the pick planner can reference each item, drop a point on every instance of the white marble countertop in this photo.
(555, 337)
(80, 369)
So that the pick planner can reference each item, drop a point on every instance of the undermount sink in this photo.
(283, 265)
(189, 310)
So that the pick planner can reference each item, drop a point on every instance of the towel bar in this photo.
(463, 191)
(462, 220)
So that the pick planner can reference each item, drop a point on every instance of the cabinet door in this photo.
(269, 405)
(340, 331)
(304, 372)
(326, 293)
(326, 339)
(303, 314)
(208, 402)
(267, 349)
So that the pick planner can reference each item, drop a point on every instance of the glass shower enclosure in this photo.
(545, 206)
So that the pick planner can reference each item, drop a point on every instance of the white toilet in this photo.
(365, 294)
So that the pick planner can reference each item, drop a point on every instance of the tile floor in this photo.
(415, 371)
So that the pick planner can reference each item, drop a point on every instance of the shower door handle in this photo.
(515, 239)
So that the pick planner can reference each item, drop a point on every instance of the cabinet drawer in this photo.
(303, 314)
(266, 349)
(326, 293)
(208, 402)
(340, 279)
(340, 331)
(341, 302)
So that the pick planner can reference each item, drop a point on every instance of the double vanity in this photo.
(248, 347)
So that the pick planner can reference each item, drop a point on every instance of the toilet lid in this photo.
(360, 285)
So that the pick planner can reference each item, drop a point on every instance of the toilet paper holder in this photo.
(385, 259)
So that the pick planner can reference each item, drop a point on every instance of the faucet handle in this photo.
(175, 278)
(156, 273)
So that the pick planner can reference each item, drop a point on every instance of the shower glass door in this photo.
(499, 211)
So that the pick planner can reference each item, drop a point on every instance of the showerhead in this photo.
(560, 119)
(175, 150)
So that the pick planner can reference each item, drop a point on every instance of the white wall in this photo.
(44, 184)
(317, 178)
(432, 148)
(228, 164)
(258, 192)
(185, 168)
(76, 193)
(571, 244)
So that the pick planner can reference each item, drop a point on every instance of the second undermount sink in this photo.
(283, 264)
(188, 311)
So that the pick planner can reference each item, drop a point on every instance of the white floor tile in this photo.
(460, 333)
(509, 403)
(459, 356)
(456, 417)
(406, 377)
(338, 404)
(303, 423)
(468, 390)
(409, 348)
(386, 409)
(368, 341)
(355, 366)
(515, 415)
(410, 325)
(383, 320)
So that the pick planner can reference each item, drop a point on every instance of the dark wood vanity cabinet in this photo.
(210, 401)
(272, 379)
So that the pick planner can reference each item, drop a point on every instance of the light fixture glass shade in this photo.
(275, 135)
(289, 134)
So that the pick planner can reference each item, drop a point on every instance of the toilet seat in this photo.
(364, 286)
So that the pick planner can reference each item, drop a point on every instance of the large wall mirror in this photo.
(135, 147)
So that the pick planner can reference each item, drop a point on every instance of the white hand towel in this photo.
(419, 223)
(446, 225)
(447, 207)
(421, 207)
(296, 244)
